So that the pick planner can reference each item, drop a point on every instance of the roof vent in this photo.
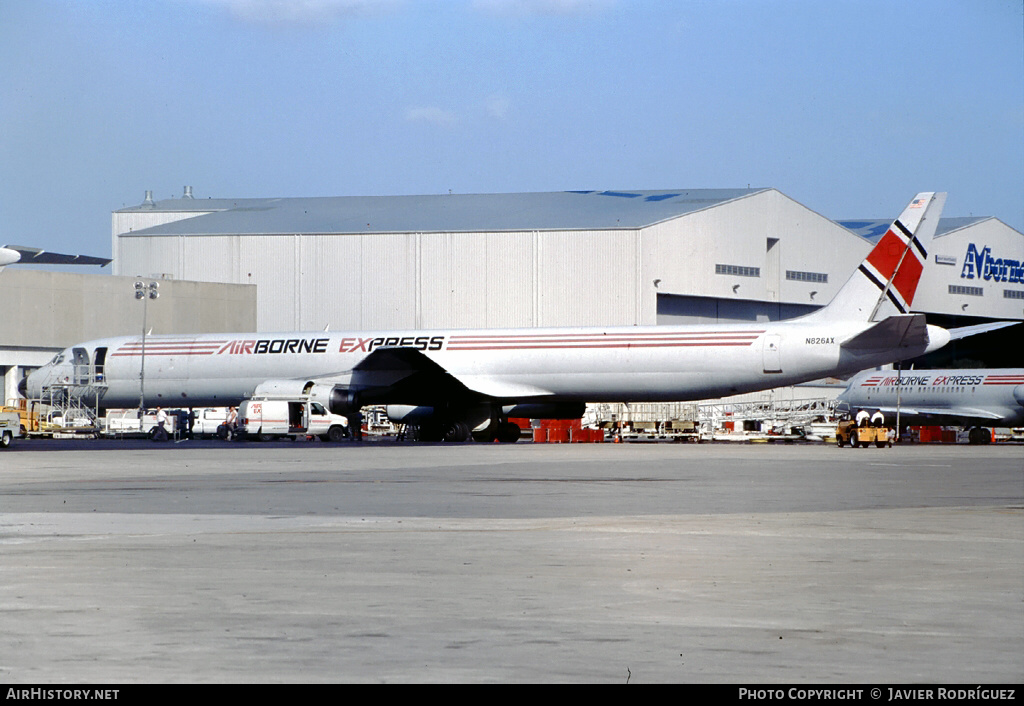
(188, 192)
(149, 199)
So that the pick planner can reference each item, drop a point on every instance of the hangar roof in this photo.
(874, 229)
(562, 210)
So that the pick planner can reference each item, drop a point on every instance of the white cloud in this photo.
(300, 12)
(497, 106)
(521, 8)
(431, 114)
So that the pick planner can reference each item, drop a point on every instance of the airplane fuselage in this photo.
(987, 397)
(627, 364)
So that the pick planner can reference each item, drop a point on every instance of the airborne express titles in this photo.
(981, 264)
(319, 345)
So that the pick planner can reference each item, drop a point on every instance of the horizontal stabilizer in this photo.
(893, 332)
(965, 331)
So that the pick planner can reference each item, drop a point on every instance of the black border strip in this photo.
(881, 287)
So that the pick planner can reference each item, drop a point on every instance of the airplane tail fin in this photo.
(885, 283)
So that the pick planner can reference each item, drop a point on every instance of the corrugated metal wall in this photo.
(999, 297)
(767, 231)
(534, 278)
(414, 280)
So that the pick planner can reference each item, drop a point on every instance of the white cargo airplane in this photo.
(450, 382)
(991, 397)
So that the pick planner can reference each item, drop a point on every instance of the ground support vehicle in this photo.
(847, 432)
(266, 419)
(207, 422)
(10, 427)
(125, 423)
(40, 419)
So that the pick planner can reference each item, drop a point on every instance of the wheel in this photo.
(509, 433)
(336, 433)
(978, 435)
(5, 439)
(839, 441)
(456, 432)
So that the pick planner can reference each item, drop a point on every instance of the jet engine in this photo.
(337, 398)
(408, 414)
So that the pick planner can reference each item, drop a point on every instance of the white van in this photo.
(10, 427)
(208, 421)
(267, 419)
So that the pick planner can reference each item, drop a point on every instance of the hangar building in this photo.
(44, 312)
(548, 259)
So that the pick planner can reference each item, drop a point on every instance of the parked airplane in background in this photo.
(451, 382)
(10, 254)
(990, 397)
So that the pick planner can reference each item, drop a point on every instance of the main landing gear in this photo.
(457, 432)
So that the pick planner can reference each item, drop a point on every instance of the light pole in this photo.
(145, 293)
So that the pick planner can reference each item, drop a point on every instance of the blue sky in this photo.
(849, 107)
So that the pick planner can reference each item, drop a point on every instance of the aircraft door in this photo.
(80, 359)
(100, 360)
(772, 359)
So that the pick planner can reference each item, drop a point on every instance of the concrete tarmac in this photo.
(128, 562)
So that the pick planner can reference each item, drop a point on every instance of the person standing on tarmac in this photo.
(231, 423)
(160, 433)
(355, 425)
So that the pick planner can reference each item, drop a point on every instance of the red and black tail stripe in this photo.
(895, 265)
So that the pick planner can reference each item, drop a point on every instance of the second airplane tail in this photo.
(885, 283)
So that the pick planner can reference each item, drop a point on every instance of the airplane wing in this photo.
(408, 374)
(35, 256)
(965, 331)
(909, 330)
